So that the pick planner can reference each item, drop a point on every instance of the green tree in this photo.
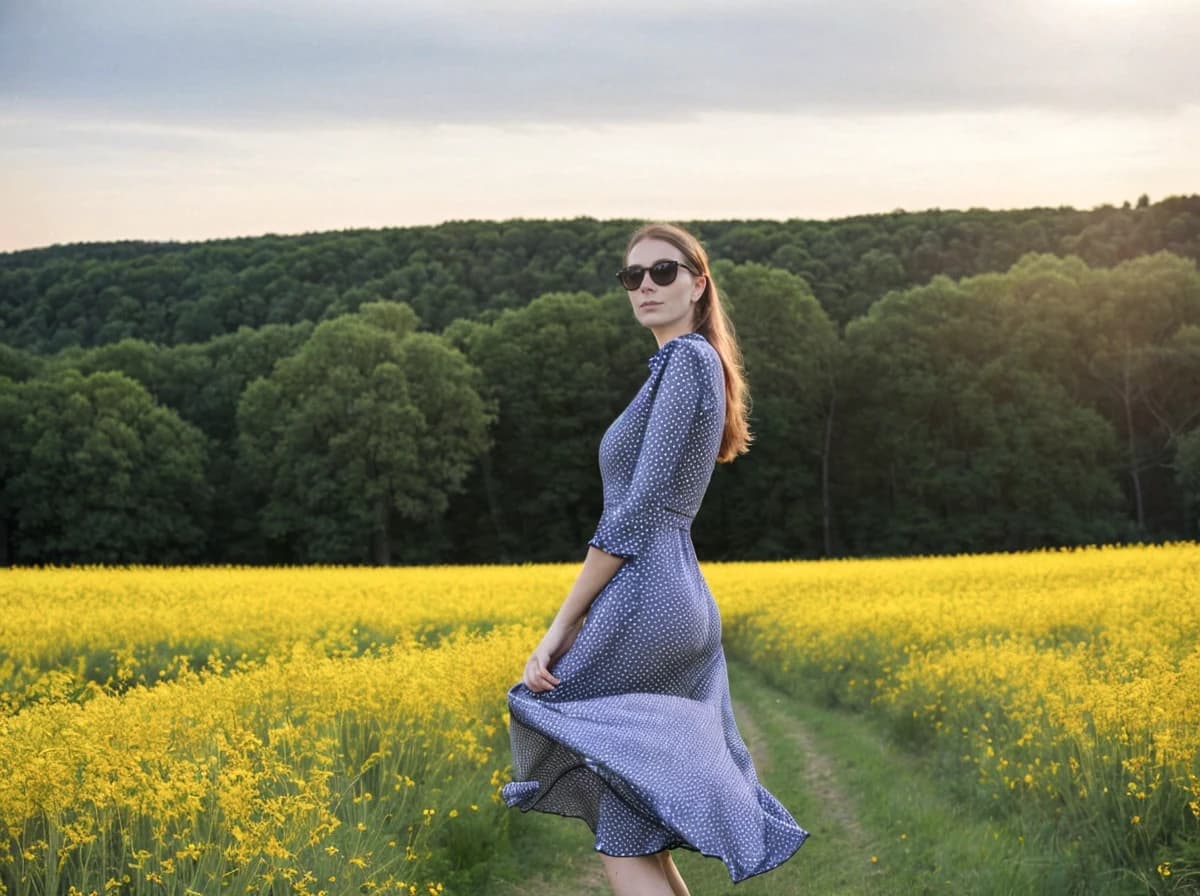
(139, 360)
(96, 472)
(369, 425)
(876, 273)
(1187, 476)
(203, 383)
(774, 502)
(19, 365)
(12, 459)
(1143, 361)
(953, 443)
(559, 372)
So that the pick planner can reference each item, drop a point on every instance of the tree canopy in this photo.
(919, 384)
(170, 293)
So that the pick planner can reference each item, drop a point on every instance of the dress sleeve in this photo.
(625, 528)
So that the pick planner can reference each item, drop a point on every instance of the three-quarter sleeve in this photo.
(626, 527)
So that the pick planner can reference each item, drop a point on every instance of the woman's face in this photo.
(667, 310)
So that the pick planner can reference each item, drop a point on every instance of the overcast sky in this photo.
(191, 119)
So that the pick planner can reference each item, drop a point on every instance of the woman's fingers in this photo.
(533, 675)
(539, 685)
(537, 677)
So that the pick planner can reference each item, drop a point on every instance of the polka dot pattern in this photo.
(639, 738)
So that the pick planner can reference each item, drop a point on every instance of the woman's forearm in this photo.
(598, 568)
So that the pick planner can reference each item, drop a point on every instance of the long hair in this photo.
(710, 321)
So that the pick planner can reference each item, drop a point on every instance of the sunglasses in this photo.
(662, 272)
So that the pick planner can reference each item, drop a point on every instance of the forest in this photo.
(922, 383)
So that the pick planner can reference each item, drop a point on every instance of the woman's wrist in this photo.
(558, 632)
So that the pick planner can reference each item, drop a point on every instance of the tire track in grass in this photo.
(790, 763)
(796, 765)
(883, 821)
(820, 774)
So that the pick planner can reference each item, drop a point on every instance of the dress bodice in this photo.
(658, 456)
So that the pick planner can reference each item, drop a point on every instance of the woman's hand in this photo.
(598, 570)
(538, 676)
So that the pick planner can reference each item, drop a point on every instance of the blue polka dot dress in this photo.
(638, 739)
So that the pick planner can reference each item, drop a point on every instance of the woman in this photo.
(623, 717)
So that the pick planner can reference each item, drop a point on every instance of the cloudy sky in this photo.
(190, 119)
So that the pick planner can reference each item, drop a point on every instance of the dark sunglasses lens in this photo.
(631, 277)
(664, 272)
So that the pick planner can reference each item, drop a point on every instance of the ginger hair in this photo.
(710, 321)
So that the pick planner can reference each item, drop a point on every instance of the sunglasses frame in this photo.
(672, 265)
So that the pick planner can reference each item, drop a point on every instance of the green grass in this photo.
(550, 855)
(881, 822)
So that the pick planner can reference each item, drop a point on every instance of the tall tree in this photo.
(955, 444)
(1143, 361)
(13, 449)
(774, 501)
(96, 472)
(367, 425)
(1187, 476)
(559, 371)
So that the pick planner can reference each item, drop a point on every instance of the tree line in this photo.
(1054, 403)
(173, 294)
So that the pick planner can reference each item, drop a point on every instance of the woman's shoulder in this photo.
(692, 359)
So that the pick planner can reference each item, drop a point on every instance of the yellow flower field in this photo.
(1064, 685)
(64, 627)
(343, 729)
(303, 773)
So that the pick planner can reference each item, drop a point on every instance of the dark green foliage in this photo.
(93, 469)
(1008, 410)
(769, 502)
(559, 371)
(360, 435)
(17, 364)
(1187, 474)
(933, 382)
(173, 293)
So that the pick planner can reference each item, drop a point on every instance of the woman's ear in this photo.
(701, 285)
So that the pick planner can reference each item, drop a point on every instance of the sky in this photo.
(198, 119)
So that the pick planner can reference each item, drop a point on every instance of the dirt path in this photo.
(756, 741)
(820, 774)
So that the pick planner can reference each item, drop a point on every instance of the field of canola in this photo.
(343, 730)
